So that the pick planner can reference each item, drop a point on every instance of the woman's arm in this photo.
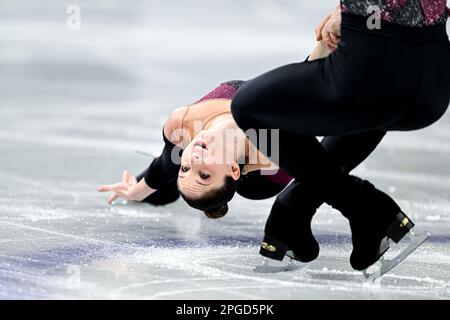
(164, 169)
(161, 172)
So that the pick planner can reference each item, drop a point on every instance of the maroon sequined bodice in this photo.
(412, 13)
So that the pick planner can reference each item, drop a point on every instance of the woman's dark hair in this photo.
(215, 203)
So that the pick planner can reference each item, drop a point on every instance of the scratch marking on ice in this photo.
(62, 234)
(40, 186)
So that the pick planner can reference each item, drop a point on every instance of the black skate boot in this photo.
(288, 228)
(375, 221)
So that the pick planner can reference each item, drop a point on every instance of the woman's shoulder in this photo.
(174, 124)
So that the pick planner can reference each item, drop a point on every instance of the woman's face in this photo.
(203, 168)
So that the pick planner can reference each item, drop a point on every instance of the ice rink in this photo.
(76, 105)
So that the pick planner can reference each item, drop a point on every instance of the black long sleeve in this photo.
(163, 170)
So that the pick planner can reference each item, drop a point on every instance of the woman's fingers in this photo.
(125, 176)
(332, 44)
(331, 40)
(326, 35)
(131, 179)
(117, 187)
(319, 29)
(113, 197)
(334, 37)
(121, 189)
(326, 38)
(110, 187)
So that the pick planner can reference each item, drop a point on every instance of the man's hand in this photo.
(329, 30)
(128, 189)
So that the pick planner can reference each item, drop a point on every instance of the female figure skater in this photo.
(214, 184)
(185, 145)
(396, 77)
(253, 184)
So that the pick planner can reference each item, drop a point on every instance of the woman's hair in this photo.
(215, 203)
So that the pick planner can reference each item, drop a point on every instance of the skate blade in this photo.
(384, 265)
(146, 154)
(275, 266)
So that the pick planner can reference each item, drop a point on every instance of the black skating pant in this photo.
(396, 78)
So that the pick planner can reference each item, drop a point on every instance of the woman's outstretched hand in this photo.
(329, 30)
(128, 189)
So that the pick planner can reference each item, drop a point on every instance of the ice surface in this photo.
(76, 105)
